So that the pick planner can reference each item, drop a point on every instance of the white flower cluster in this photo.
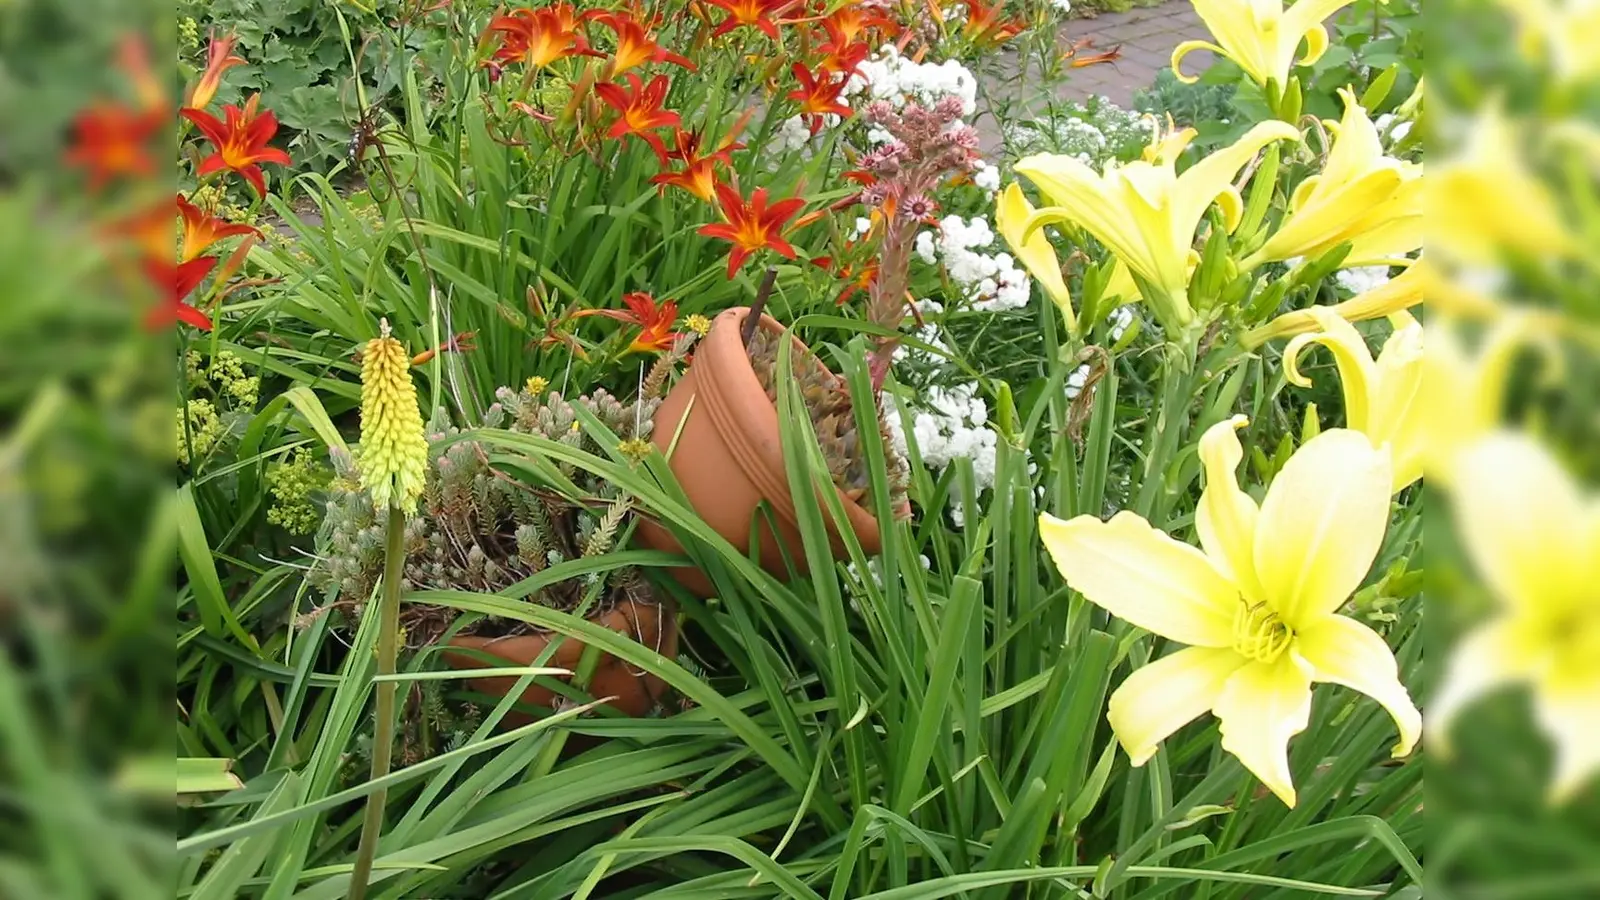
(892, 77)
(1062, 6)
(792, 134)
(1362, 278)
(1393, 128)
(1095, 131)
(990, 283)
(985, 176)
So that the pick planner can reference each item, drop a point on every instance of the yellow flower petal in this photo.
(1526, 526)
(1261, 707)
(1394, 416)
(1011, 214)
(1226, 516)
(1141, 575)
(1213, 175)
(1166, 695)
(1186, 48)
(1568, 710)
(1321, 524)
(1357, 370)
(1492, 655)
(1345, 652)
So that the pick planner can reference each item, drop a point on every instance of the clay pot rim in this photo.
(741, 378)
(664, 612)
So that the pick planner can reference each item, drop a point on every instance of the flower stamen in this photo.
(1259, 634)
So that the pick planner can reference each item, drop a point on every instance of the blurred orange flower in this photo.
(177, 282)
(753, 225)
(111, 140)
(540, 37)
(818, 96)
(219, 58)
(986, 28)
(842, 58)
(201, 229)
(654, 320)
(699, 173)
(636, 46)
(850, 22)
(639, 110)
(241, 142)
(755, 13)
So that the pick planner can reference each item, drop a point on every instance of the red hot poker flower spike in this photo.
(639, 111)
(241, 142)
(753, 225)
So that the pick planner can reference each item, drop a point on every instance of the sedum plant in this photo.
(478, 528)
(833, 420)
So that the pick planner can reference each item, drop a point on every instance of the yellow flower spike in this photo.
(1372, 201)
(1398, 294)
(1257, 605)
(1534, 536)
(1382, 397)
(1261, 36)
(1486, 201)
(1144, 212)
(1011, 212)
(393, 459)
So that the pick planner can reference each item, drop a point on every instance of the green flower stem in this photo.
(383, 739)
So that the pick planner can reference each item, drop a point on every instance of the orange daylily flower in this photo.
(111, 140)
(818, 96)
(176, 282)
(636, 46)
(201, 229)
(699, 173)
(1076, 59)
(842, 58)
(753, 225)
(219, 58)
(848, 23)
(639, 110)
(241, 143)
(539, 37)
(461, 342)
(984, 26)
(756, 13)
(654, 320)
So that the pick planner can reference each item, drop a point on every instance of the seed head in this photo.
(394, 454)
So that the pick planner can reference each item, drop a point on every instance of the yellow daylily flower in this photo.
(1257, 605)
(1535, 538)
(1485, 200)
(1381, 397)
(1011, 213)
(1464, 391)
(1560, 33)
(1261, 36)
(1371, 201)
(1144, 212)
(1398, 294)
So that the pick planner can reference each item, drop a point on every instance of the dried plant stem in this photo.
(753, 320)
(383, 738)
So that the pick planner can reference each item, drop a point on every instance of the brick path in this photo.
(1147, 38)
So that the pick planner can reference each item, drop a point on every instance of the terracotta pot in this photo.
(637, 693)
(729, 457)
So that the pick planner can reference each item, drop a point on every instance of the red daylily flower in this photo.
(848, 23)
(654, 321)
(857, 280)
(639, 110)
(201, 229)
(818, 97)
(757, 13)
(539, 37)
(842, 58)
(111, 140)
(984, 26)
(699, 173)
(636, 46)
(241, 143)
(177, 282)
(753, 225)
(219, 59)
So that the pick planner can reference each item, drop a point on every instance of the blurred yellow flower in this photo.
(1381, 396)
(1534, 536)
(1395, 295)
(1361, 197)
(1486, 201)
(1463, 390)
(1261, 36)
(1562, 34)
(1144, 212)
(1257, 606)
(1011, 212)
